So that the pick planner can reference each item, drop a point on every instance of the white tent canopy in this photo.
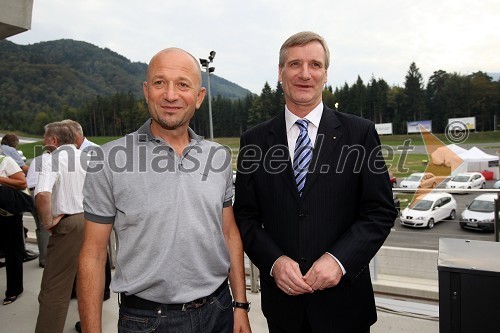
(477, 155)
(477, 160)
(463, 160)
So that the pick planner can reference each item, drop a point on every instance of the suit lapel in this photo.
(277, 137)
(329, 135)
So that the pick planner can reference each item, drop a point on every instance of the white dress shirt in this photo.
(35, 169)
(63, 175)
(86, 144)
(293, 131)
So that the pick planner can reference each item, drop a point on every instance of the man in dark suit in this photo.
(313, 203)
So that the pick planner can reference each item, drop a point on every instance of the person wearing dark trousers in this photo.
(178, 244)
(8, 147)
(313, 202)
(11, 236)
(11, 231)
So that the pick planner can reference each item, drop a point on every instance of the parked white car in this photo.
(426, 210)
(480, 214)
(467, 180)
(420, 180)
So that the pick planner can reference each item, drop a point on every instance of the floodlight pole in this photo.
(205, 64)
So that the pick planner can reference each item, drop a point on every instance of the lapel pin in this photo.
(334, 137)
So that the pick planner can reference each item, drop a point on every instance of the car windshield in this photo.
(414, 178)
(460, 178)
(421, 205)
(482, 206)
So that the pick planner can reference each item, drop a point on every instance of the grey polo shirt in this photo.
(166, 212)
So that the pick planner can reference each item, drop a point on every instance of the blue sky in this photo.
(379, 38)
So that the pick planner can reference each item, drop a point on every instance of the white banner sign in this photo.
(462, 123)
(385, 128)
(414, 126)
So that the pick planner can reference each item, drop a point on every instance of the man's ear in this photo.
(145, 91)
(200, 97)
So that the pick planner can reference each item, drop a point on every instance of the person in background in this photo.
(59, 200)
(81, 141)
(11, 231)
(313, 202)
(8, 147)
(42, 235)
(178, 242)
(85, 145)
(9, 144)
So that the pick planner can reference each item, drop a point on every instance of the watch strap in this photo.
(240, 305)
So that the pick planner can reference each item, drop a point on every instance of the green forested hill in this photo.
(49, 80)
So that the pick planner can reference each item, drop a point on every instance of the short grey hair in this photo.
(303, 38)
(74, 125)
(61, 131)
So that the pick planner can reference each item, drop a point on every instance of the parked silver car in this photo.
(479, 215)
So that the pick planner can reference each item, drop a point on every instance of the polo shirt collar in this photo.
(145, 134)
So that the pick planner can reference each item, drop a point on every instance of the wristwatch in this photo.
(245, 306)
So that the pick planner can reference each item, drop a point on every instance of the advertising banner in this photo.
(385, 128)
(414, 126)
(466, 123)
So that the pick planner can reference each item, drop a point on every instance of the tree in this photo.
(414, 101)
(436, 100)
(484, 103)
(395, 97)
(359, 97)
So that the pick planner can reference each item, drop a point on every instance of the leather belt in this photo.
(69, 215)
(135, 302)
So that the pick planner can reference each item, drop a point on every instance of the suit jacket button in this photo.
(302, 215)
(303, 260)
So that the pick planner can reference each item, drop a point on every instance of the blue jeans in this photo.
(215, 316)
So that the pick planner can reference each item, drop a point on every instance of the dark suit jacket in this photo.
(346, 209)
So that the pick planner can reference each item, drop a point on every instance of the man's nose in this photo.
(305, 74)
(170, 92)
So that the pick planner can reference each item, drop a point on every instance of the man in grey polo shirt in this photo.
(167, 194)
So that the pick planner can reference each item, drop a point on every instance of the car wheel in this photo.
(453, 214)
(483, 185)
(430, 224)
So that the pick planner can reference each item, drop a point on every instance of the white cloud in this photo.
(379, 38)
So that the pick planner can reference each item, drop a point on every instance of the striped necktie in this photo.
(303, 155)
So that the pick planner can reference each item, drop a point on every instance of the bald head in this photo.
(171, 55)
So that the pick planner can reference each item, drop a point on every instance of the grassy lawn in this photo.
(396, 164)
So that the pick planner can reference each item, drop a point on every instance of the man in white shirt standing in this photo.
(85, 145)
(59, 200)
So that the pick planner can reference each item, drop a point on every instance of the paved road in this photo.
(423, 238)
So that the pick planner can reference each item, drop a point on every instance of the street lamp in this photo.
(205, 64)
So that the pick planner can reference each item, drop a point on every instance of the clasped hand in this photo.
(324, 273)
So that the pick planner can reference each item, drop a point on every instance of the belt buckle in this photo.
(194, 304)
